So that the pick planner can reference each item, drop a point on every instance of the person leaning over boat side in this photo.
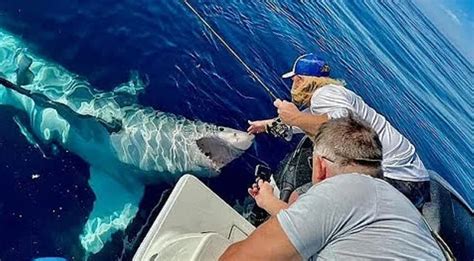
(327, 98)
(349, 213)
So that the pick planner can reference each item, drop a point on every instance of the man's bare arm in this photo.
(275, 206)
(267, 242)
(310, 122)
(289, 114)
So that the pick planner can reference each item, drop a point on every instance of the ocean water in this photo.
(389, 53)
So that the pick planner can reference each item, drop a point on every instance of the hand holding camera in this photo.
(261, 190)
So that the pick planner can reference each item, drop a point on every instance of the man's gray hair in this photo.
(350, 141)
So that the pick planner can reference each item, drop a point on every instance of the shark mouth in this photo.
(218, 151)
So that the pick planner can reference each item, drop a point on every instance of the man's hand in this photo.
(287, 111)
(258, 126)
(262, 192)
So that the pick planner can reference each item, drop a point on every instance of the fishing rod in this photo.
(277, 128)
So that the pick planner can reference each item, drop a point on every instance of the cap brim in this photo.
(288, 75)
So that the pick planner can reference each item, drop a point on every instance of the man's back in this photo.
(400, 160)
(357, 216)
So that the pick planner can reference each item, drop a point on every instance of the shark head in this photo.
(220, 145)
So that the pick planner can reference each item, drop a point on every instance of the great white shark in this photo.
(126, 145)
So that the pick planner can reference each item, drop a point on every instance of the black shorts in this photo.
(417, 192)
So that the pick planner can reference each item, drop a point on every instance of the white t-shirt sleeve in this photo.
(332, 100)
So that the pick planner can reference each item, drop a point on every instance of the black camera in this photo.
(257, 215)
(263, 172)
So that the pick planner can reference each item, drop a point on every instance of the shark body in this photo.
(148, 147)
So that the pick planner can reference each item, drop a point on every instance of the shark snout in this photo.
(238, 139)
(223, 145)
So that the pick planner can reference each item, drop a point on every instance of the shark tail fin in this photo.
(30, 137)
(115, 207)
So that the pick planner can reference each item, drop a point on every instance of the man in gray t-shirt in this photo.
(357, 216)
(350, 213)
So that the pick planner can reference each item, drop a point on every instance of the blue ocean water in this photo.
(389, 53)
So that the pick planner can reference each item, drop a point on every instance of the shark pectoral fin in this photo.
(30, 137)
(115, 206)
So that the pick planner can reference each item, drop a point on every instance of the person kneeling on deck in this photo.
(349, 212)
(327, 98)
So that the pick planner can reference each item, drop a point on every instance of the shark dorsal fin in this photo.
(24, 75)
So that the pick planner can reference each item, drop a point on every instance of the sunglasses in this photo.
(358, 160)
(310, 160)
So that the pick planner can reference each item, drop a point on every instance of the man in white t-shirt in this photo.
(326, 99)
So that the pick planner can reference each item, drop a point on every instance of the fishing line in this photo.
(277, 127)
(234, 53)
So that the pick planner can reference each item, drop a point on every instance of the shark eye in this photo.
(221, 129)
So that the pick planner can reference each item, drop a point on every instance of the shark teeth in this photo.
(213, 164)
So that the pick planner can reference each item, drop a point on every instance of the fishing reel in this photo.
(278, 129)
